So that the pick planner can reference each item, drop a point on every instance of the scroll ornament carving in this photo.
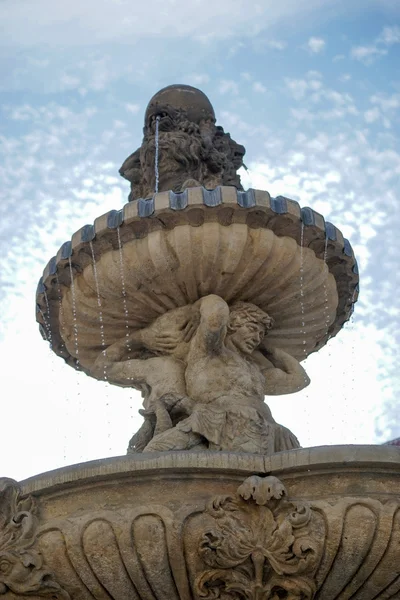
(261, 546)
(22, 568)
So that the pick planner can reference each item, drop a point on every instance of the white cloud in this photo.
(259, 87)
(227, 86)
(197, 79)
(297, 87)
(69, 82)
(372, 115)
(314, 74)
(39, 63)
(367, 54)
(132, 108)
(316, 45)
(277, 44)
(389, 36)
(311, 92)
(385, 108)
(387, 103)
(77, 23)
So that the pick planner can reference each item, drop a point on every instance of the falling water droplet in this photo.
(121, 269)
(75, 320)
(48, 320)
(326, 299)
(303, 324)
(61, 307)
(99, 304)
(156, 170)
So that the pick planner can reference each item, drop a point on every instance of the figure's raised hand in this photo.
(163, 342)
(192, 323)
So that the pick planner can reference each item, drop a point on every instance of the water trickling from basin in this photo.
(75, 320)
(47, 321)
(303, 325)
(156, 171)
(61, 316)
(124, 303)
(326, 299)
(99, 304)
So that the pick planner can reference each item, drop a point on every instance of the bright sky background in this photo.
(310, 87)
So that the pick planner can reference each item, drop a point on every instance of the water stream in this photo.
(75, 320)
(61, 316)
(303, 324)
(99, 304)
(48, 321)
(156, 171)
(303, 331)
(326, 299)
(121, 269)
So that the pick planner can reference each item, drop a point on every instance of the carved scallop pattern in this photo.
(173, 268)
(206, 242)
(147, 553)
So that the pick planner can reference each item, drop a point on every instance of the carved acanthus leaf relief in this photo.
(261, 546)
(22, 568)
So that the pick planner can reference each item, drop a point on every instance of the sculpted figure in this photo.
(203, 371)
(152, 361)
(193, 151)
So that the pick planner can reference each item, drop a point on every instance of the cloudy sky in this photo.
(310, 87)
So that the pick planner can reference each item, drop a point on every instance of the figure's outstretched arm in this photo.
(149, 338)
(210, 316)
(120, 350)
(286, 376)
(119, 372)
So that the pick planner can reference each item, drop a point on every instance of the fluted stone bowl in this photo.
(158, 254)
(325, 524)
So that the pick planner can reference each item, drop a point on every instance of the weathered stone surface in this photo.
(151, 296)
(192, 150)
(203, 370)
(23, 571)
(118, 305)
(310, 523)
(201, 242)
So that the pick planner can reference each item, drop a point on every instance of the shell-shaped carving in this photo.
(178, 239)
(362, 549)
(147, 277)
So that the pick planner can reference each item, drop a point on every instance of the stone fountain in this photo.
(204, 297)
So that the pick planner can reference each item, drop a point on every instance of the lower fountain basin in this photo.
(145, 526)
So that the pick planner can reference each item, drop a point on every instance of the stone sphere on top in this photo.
(181, 97)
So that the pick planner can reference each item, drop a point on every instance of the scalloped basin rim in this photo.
(335, 458)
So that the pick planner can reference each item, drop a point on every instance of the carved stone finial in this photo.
(192, 150)
(190, 100)
(22, 569)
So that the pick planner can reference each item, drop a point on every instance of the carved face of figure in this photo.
(168, 118)
(248, 325)
(248, 337)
